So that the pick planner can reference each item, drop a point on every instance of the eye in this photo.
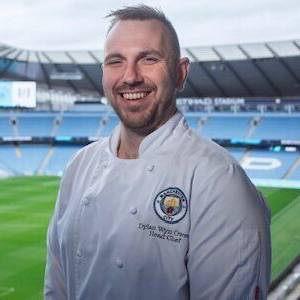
(150, 60)
(113, 62)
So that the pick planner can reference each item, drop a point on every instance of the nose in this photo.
(132, 75)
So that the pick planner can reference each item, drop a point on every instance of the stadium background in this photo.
(245, 97)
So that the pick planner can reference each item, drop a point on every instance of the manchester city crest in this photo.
(171, 205)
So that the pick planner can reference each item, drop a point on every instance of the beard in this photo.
(138, 119)
(144, 119)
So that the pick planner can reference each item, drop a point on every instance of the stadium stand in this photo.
(24, 159)
(35, 125)
(278, 127)
(72, 125)
(31, 157)
(4, 170)
(51, 159)
(108, 124)
(8, 157)
(193, 121)
(295, 175)
(227, 127)
(5, 126)
(59, 157)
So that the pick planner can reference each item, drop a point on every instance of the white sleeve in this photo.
(54, 285)
(229, 253)
(55, 282)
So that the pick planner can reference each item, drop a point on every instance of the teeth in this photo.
(134, 96)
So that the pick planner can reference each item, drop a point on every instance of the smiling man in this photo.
(142, 71)
(154, 211)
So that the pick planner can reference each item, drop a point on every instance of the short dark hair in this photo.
(144, 12)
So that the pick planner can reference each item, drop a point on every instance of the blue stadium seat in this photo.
(59, 159)
(27, 162)
(5, 171)
(5, 127)
(29, 158)
(296, 174)
(35, 125)
(193, 121)
(223, 127)
(108, 124)
(79, 126)
(277, 128)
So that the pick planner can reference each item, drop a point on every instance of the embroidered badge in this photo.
(171, 205)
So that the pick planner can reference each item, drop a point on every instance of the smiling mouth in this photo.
(135, 95)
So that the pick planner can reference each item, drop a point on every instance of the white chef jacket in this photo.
(181, 222)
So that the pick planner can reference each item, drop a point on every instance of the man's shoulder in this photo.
(82, 165)
(206, 153)
(217, 171)
(87, 154)
(214, 165)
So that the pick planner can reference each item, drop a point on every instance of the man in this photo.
(154, 211)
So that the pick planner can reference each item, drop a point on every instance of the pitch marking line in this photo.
(288, 207)
(4, 291)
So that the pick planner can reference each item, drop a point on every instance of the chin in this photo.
(135, 123)
(138, 123)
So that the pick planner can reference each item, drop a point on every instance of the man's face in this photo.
(140, 75)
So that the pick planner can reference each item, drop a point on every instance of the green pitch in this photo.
(26, 204)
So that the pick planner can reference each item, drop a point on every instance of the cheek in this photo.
(165, 85)
(108, 81)
(164, 78)
(104, 82)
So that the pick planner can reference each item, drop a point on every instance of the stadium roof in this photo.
(260, 69)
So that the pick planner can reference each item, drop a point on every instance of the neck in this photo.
(129, 144)
(130, 140)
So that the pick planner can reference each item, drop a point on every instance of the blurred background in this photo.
(243, 91)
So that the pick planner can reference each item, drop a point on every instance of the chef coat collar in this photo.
(151, 141)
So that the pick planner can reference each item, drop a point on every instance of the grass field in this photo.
(27, 203)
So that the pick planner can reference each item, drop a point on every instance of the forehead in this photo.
(136, 34)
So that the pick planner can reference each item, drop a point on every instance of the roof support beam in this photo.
(100, 65)
(27, 64)
(58, 69)
(8, 51)
(5, 70)
(261, 71)
(24, 75)
(284, 64)
(88, 77)
(47, 79)
(194, 88)
(200, 64)
(238, 77)
(3, 48)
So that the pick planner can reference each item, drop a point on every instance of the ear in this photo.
(182, 72)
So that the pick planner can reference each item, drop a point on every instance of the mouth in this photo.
(134, 95)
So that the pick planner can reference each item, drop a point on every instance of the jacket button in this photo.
(119, 263)
(150, 168)
(86, 201)
(133, 210)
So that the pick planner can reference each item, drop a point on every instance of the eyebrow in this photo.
(150, 51)
(140, 54)
(113, 55)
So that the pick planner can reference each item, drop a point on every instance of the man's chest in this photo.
(128, 204)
